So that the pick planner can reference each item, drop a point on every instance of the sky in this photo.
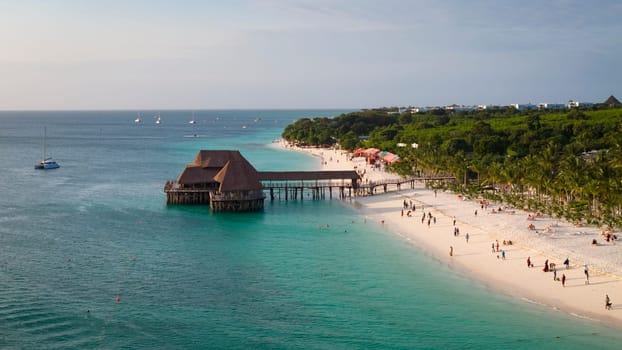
(185, 54)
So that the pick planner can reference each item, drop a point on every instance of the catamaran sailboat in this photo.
(46, 163)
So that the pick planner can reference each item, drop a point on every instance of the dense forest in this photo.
(566, 163)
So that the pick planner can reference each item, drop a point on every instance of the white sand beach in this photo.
(552, 239)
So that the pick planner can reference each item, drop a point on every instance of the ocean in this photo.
(92, 258)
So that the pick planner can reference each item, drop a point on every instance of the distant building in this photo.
(551, 106)
(458, 108)
(612, 101)
(523, 107)
(576, 104)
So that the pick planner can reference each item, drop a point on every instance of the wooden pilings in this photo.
(284, 192)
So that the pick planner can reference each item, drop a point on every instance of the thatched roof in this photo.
(238, 175)
(612, 101)
(229, 169)
(217, 158)
(194, 174)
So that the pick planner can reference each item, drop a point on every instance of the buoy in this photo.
(118, 299)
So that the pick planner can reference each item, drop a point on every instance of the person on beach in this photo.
(567, 263)
(546, 266)
(587, 274)
(493, 247)
(451, 251)
(607, 302)
(467, 237)
(528, 261)
(475, 212)
(454, 221)
(563, 280)
(554, 274)
(497, 244)
(503, 254)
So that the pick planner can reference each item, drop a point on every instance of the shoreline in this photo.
(554, 241)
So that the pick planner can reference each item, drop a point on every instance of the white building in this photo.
(523, 107)
(575, 104)
(551, 106)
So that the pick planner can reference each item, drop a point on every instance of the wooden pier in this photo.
(371, 188)
(226, 181)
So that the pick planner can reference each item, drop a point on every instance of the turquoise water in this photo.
(76, 238)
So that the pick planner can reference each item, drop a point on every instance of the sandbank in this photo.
(553, 240)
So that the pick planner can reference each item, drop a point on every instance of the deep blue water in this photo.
(75, 238)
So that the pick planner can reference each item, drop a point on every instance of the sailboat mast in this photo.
(43, 144)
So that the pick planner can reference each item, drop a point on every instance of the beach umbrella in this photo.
(359, 151)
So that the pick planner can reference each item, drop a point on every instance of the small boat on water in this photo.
(46, 162)
(192, 121)
(137, 120)
(158, 120)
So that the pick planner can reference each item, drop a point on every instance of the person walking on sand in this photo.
(554, 274)
(607, 302)
(587, 274)
(563, 280)
(528, 261)
(503, 254)
(467, 237)
(493, 247)
(497, 244)
(451, 251)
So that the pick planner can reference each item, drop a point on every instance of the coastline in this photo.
(555, 241)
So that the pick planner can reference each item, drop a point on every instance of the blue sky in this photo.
(71, 54)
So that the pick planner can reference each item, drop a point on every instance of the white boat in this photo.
(158, 120)
(137, 120)
(46, 162)
(192, 121)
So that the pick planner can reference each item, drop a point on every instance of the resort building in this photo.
(576, 104)
(551, 106)
(612, 101)
(523, 107)
(223, 179)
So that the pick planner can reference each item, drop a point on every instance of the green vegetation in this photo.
(566, 163)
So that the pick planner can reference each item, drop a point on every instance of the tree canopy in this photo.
(563, 162)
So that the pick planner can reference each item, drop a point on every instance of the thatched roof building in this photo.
(222, 178)
(612, 101)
